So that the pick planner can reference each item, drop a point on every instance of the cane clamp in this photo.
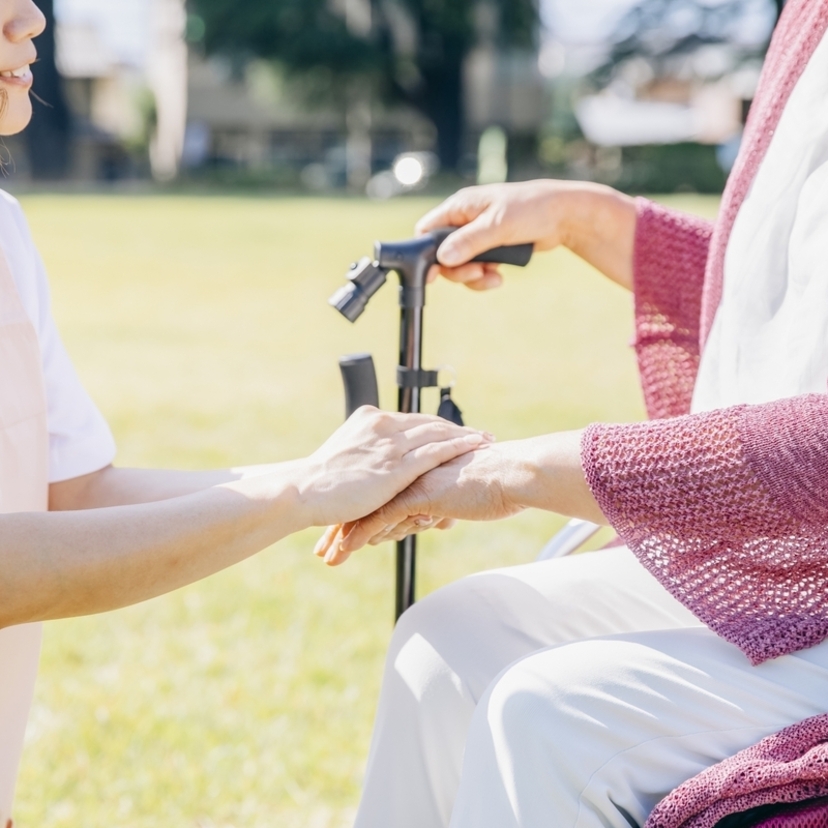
(416, 378)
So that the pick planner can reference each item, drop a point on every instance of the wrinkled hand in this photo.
(493, 215)
(375, 455)
(481, 485)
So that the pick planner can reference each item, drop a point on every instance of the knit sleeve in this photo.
(729, 510)
(669, 262)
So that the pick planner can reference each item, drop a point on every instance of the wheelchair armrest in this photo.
(569, 539)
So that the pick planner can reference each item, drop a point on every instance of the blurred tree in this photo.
(410, 50)
(49, 136)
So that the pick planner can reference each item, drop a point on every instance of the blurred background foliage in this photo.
(326, 95)
(411, 52)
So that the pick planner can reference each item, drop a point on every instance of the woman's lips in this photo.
(17, 77)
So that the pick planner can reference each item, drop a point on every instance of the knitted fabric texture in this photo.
(668, 304)
(803, 815)
(729, 510)
(790, 766)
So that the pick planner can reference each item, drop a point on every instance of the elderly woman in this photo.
(580, 692)
(78, 536)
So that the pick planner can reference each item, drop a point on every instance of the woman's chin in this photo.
(16, 118)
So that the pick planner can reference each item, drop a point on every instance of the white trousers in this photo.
(574, 692)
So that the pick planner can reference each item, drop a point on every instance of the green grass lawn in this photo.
(201, 328)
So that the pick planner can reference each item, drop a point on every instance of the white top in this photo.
(80, 441)
(769, 339)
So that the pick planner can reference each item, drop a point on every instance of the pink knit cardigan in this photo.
(728, 509)
(788, 767)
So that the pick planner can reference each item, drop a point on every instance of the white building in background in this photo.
(123, 25)
(125, 65)
(167, 77)
(705, 112)
(700, 99)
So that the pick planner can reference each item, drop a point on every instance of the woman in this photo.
(113, 537)
(580, 692)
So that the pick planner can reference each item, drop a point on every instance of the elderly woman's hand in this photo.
(592, 220)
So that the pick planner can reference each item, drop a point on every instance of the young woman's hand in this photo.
(374, 456)
(594, 221)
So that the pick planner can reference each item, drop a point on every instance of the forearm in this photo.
(79, 563)
(599, 226)
(546, 473)
(81, 560)
(123, 487)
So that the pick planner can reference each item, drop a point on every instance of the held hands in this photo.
(482, 485)
(374, 456)
(494, 482)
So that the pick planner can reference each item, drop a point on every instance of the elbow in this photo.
(79, 492)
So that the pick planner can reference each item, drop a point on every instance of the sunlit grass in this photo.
(200, 326)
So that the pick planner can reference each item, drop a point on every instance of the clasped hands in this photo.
(469, 487)
(490, 482)
(484, 484)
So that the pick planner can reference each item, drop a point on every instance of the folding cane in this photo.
(411, 260)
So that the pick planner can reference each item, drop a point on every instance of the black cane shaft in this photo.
(411, 348)
(411, 259)
(406, 574)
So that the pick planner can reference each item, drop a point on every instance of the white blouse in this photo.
(769, 338)
(80, 441)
